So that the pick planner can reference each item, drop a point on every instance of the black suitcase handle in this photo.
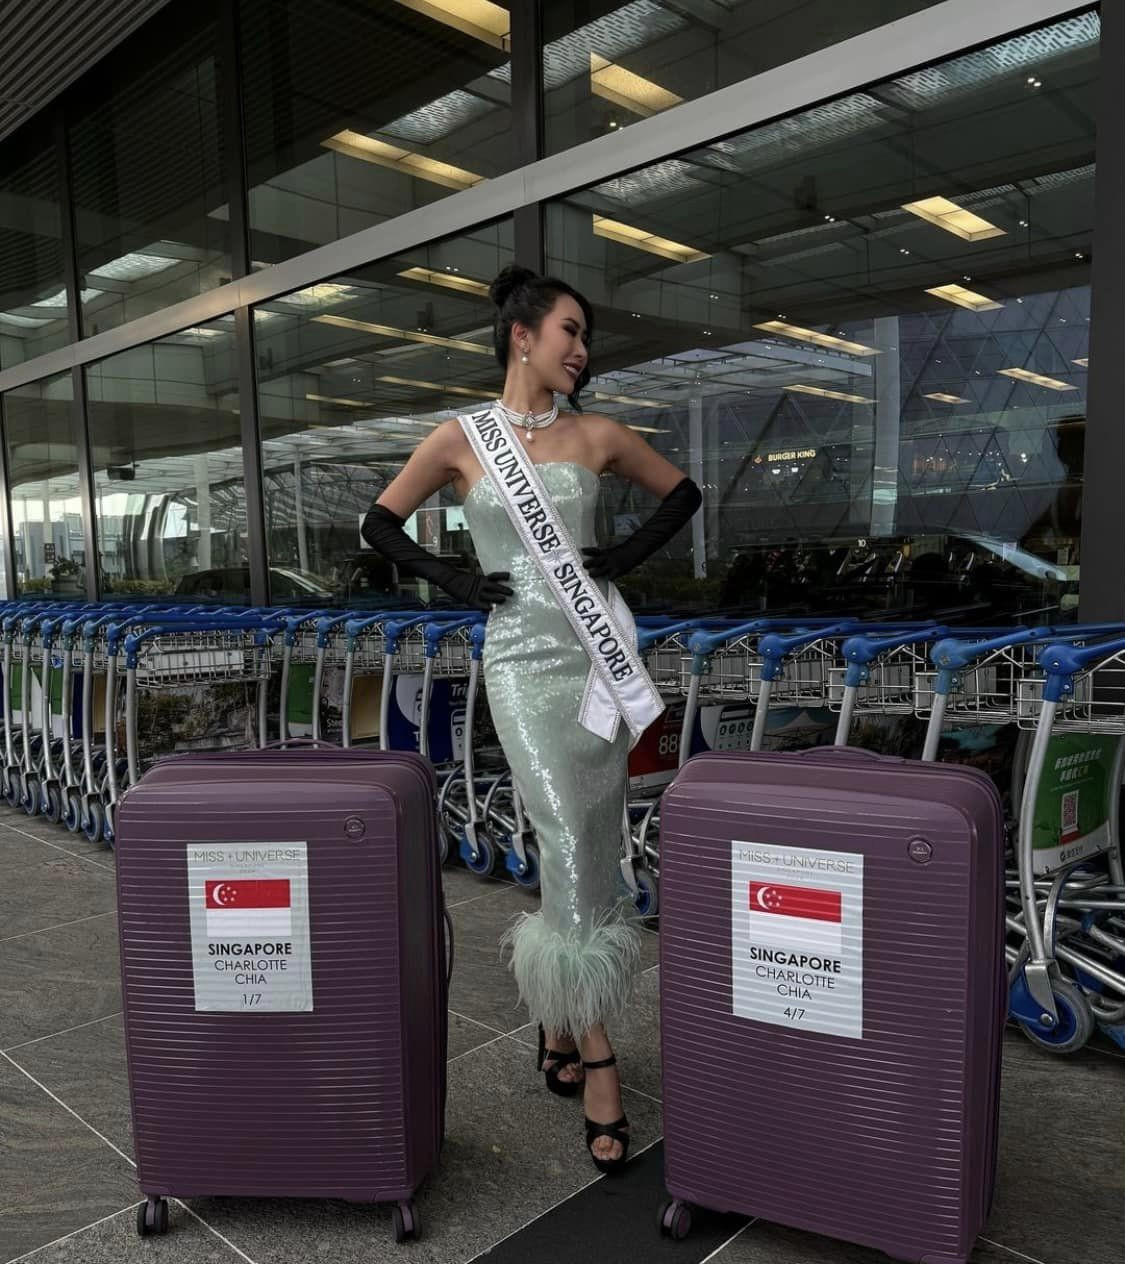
(449, 946)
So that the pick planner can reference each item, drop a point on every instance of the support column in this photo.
(1102, 585)
(299, 513)
(888, 419)
(695, 470)
(203, 510)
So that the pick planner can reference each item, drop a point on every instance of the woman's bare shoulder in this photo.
(602, 435)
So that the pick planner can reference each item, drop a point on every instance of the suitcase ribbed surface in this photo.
(882, 1140)
(313, 1104)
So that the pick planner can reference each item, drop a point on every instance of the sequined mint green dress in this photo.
(576, 959)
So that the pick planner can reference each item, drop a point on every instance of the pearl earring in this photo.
(523, 358)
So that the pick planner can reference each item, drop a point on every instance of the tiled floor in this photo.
(513, 1153)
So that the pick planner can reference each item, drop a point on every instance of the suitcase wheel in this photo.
(407, 1226)
(675, 1219)
(152, 1217)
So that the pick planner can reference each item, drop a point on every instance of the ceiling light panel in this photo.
(447, 280)
(827, 394)
(615, 84)
(630, 399)
(969, 299)
(368, 149)
(954, 219)
(817, 339)
(408, 335)
(943, 398)
(1038, 379)
(480, 19)
(1084, 362)
(443, 387)
(639, 239)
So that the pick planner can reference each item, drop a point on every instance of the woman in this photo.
(576, 959)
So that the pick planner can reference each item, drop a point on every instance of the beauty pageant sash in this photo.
(617, 686)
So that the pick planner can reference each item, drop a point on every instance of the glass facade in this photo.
(864, 331)
(863, 328)
(608, 65)
(167, 460)
(43, 495)
(359, 369)
(147, 172)
(358, 113)
(33, 314)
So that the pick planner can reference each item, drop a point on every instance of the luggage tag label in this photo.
(797, 937)
(249, 907)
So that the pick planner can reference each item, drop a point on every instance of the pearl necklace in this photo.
(530, 421)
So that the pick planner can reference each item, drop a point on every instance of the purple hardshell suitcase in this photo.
(833, 995)
(284, 970)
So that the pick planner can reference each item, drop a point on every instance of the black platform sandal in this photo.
(561, 1088)
(612, 1131)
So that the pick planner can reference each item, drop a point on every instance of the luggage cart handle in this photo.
(775, 647)
(136, 638)
(702, 644)
(959, 651)
(325, 625)
(649, 631)
(435, 632)
(868, 646)
(294, 622)
(393, 629)
(1062, 661)
(477, 636)
(359, 623)
(859, 652)
(953, 653)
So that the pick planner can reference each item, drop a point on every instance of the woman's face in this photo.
(557, 351)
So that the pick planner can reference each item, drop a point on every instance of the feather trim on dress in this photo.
(571, 981)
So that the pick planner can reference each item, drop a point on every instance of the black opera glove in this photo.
(674, 510)
(383, 530)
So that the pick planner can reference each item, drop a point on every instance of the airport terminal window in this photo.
(606, 65)
(147, 162)
(33, 315)
(43, 489)
(167, 460)
(352, 374)
(355, 114)
(864, 331)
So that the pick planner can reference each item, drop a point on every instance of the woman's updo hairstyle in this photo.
(526, 297)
